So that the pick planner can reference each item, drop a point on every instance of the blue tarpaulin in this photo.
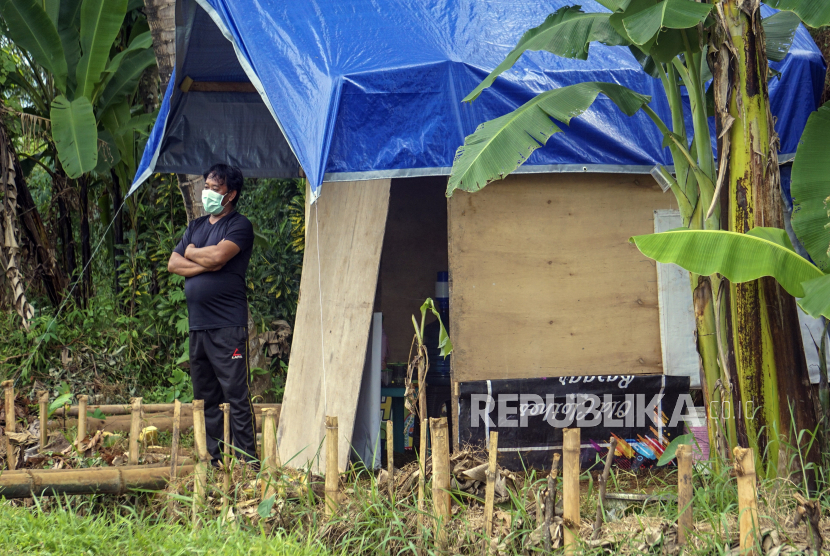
(372, 88)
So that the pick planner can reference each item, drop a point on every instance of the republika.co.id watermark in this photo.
(591, 410)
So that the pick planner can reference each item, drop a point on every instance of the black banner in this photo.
(644, 412)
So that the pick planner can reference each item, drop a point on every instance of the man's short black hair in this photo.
(230, 176)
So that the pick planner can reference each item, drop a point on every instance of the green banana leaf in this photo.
(815, 13)
(115, 120)
(68, 25)
(444, 343)
(738, 257)
(666, 43)
(615, 5)
(75, 135)
(125, 79)
(52, 9)
(779, 31)
(500, 146)
(810, 188)
(141, 42)
(568, 32)
(108, 153)
(100, 23)
(29, 27)
(672, 14)
(816, 300)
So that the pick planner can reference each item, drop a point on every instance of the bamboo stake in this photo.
(332, 470)
(441, 500)
(490, 489)
(200, 470)
(747, 507)
(148, 408)
(174, 443)
(82, 400)
(269, 453)
(390, 457)
(550, 499)
(122, 423)
(603, 484)
(684, 493)
(26, 483)
(135, 430)
(570, 488)
(44, 419)
(226, 456)
(174, 451)
(11, 460)
(422, 448)
(454, 405)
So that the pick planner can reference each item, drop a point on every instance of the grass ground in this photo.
(65, 530)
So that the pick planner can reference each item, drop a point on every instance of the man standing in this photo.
(213, 257)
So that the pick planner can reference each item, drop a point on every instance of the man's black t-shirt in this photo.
(217, 299)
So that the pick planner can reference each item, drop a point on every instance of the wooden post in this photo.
(200, 470)
(747, 506)
(11, 421)
(332, 470)
(269, 453)
(603, 485)
(174, 451)
(684, 493)
(441, 479)
(390, 457)
(570, 488)
(82, 401)
(135, 430)
(44, 416)
(490, 489)
(550, 500)
(226, 456)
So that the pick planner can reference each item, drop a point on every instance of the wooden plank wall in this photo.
(351, 217)
(544, 281)
(414, 251)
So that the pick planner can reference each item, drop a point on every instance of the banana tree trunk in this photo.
(769, 364)
(11, 249)
(39, 240)
(117, 231)
(86, 250)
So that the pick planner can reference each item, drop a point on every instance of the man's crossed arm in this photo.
(197, 260)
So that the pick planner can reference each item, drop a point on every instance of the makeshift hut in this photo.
(365, 97)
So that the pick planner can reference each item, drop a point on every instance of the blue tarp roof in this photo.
(372, 88)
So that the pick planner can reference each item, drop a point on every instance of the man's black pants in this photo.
(219, 371)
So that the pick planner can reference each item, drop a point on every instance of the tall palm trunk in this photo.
(770, 371)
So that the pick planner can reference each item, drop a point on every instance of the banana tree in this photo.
(83, 68)
(667, 38)
(86, 78)
(768, 252)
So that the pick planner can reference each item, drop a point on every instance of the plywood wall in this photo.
(544, 281)
(331, 332)
(414, 251)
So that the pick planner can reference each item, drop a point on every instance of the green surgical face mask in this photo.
(212, 201)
